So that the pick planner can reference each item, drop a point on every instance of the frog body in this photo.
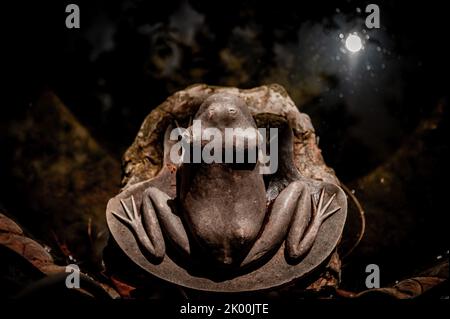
(226, 211)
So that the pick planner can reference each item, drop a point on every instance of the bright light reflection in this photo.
(353, 43)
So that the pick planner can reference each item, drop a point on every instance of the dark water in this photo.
(128, 57)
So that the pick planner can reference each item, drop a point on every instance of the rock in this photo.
(143, 158)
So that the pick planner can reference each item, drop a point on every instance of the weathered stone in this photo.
(143, 158)
(302, 169)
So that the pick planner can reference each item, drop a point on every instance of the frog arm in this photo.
(278, 222)
(297, 245)
(170, 222)
(144, 225)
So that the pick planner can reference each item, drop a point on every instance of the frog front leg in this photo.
(293, 200)
(298, 243)
(295, 210)
(145, 223)
(170, 222)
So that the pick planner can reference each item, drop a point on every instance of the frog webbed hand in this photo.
(144, 225)
(298, 245)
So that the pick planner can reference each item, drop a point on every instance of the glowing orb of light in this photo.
(353, 43)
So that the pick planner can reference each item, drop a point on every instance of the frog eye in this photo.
(232, 110)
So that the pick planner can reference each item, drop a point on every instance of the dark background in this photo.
(129, 56)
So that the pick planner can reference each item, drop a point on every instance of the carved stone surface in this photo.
(219, 227)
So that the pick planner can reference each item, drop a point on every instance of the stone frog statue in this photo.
(228, 214)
